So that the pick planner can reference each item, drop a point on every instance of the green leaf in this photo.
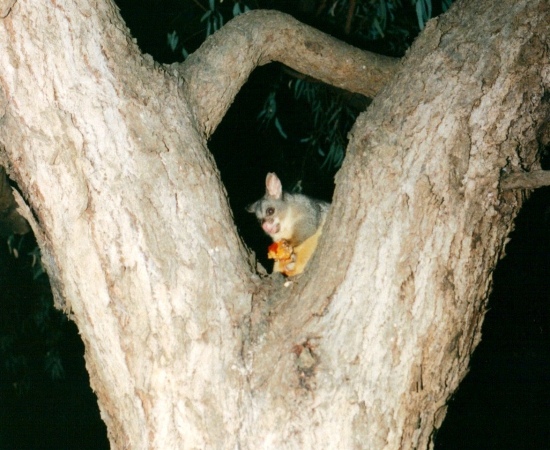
(280, 128)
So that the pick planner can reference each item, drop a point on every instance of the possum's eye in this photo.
(269, 211)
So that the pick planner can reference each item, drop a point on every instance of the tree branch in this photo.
(217, 70)
(526, 180)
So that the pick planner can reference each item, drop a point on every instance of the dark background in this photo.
(45, 398)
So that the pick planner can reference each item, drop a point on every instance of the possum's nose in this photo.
(270, 227)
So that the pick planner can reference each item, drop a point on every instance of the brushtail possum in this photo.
(293, 221)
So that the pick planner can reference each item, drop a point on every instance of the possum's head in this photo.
(271, 210)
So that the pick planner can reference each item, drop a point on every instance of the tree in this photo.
(187, 346)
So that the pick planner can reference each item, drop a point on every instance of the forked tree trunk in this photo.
(186, 346)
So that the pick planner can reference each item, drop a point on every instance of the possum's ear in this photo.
(273, 187)
(252, 207)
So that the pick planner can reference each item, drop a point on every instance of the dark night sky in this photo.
(503, 403)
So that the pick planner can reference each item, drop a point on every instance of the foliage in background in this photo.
(383, 26)
(27, 319)
(45, 397)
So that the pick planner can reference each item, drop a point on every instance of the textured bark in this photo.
(132, 221)
(186, 346)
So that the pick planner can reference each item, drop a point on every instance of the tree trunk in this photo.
(187, 347)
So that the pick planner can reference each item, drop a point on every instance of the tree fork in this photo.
(362, 351)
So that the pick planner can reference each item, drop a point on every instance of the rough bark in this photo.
(133, 223)
(185, 345)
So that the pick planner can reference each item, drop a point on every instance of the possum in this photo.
(296, 220)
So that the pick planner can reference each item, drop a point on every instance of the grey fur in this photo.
(300, 215)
